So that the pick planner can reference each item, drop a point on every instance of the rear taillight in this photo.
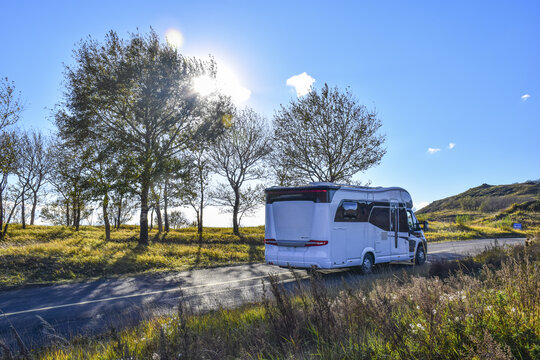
(316, 243)
(270, 241)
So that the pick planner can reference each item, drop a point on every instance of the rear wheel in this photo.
(420, 257)
(367, 264)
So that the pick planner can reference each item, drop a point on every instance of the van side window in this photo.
(380, 217)
(403, 223)
(352, 211)
(410, 221)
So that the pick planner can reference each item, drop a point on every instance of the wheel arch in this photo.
(369, 250)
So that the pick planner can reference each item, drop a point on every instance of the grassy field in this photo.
(46, 254)
(482, 308)
(41, 254)
(457, 224)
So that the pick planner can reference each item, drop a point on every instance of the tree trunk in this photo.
(119, 214)
(166, 206)
(78, 216)
(106, 217)
(1, 211)
(4, 232)
(34, 205)
(68, 220)
(23, 215)
(143, 221)
(236, 208)
(201, 205)
(74, 213)
(200, 217)
(159, 220)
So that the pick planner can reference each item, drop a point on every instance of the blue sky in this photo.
(436, 72)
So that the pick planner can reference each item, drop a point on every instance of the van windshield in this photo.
(315, 195)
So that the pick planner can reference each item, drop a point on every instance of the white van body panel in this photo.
(307, 233)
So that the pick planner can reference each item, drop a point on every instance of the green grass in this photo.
(487, 311)
(454, 224)
(44, 254)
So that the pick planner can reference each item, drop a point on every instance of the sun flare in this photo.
(226, 82)
(174, 38)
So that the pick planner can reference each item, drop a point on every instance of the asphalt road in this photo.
(96, 306)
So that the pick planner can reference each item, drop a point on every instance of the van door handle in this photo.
(338, 228)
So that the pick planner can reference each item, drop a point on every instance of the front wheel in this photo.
(420, 257)
(367, 264)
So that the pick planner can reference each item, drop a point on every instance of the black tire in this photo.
(367, 263)
(420, 257)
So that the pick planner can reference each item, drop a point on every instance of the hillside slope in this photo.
(486, 211)
(487, 198)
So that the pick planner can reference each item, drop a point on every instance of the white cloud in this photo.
(525, 97)
(301, 82)
(451, 145)
(433, 150)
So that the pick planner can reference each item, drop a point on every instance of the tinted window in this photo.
(318, 196)
(403, 223)
(353, 211)
(380, 217)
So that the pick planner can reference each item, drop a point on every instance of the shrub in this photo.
(462, 219)
(504, 223)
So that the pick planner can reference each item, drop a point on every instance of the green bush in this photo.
(463, 219)
(504, 223)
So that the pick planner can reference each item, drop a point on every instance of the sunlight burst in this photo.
(225, 82)
(174, 38)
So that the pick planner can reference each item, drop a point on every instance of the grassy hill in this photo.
(487, 198)
(486, 211)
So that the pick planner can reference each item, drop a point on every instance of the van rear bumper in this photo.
(298, 257)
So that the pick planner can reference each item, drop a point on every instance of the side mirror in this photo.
(425, 226)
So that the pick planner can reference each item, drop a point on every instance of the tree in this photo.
(195, 186)
(69, 176)
(238, 156)
(101, 181)
(137, 93)
(251, 197)
(178, 219)
(325, 136)
(33, 165)
(10, 110)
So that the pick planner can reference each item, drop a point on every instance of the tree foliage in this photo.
(138, 93)
(325, 136)
(10, 104)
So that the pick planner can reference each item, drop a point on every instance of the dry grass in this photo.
(56, 253)
(452, 225)
(486, 313)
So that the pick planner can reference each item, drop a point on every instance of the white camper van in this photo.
(326, 225)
